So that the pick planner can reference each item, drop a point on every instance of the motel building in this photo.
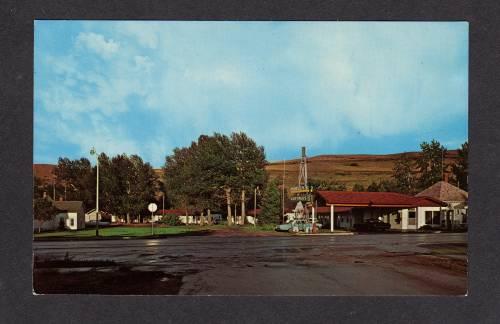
(440, 206)
(348, 208)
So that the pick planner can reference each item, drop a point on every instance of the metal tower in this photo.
(303, 169)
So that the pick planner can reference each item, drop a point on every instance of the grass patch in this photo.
(123, 231)
(259, 228)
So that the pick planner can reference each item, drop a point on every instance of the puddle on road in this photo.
(134, 280)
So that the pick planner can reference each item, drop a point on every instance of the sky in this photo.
(146, 87)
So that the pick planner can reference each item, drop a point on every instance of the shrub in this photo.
(425, 227)
(170, 219)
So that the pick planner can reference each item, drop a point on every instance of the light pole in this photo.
(93, 152)
(163, 204)
(128, 202)
(255, 206)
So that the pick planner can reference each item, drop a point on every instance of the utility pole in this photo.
(254, 207)
(442, 165)
(93, 152)
(283, 194)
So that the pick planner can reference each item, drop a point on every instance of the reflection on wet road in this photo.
(380, 264)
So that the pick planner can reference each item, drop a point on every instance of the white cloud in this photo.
(145, 33)
(143, 63)
(314, 87)
(98, 44)
(390, 83)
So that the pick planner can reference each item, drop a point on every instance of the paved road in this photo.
(372, 264)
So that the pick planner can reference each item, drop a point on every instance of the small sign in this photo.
(152, 207)
(303, 197)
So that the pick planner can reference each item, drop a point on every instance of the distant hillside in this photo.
(348, 169)
(45, 172)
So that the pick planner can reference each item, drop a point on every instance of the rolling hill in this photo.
(348, 169)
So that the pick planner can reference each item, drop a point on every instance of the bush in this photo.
(426, 228)
(170, 219)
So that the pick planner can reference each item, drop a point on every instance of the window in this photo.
(411, 217)
(428, 217)
(72, 222)
(436, 217)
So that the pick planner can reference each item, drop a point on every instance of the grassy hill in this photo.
(348, 169)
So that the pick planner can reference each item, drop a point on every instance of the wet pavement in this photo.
(368, 264)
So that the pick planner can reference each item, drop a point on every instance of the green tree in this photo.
(43, 210)
(249, 161)
(326, 185)
(382, 186)
(178, 177)
(460, 169)
(271, 203)
(402, 174)
(387, 185)
(213, 170)
(358, 187)
(144, 184)
(127, 185)
(430, 164)
(77, 179)
(38, 188)
(373, 187)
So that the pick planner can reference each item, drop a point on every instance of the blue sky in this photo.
(144, 88)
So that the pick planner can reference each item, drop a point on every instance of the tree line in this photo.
(411, 177)
(126, 184)
(220, 173)
(214, 173)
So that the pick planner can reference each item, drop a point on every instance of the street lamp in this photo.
(93, 152)
(128, 202)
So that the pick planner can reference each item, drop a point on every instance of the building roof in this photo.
(69, 206)
(376, 199)
(444, 191)
(326, 210)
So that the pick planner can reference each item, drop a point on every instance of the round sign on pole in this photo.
(152, 207)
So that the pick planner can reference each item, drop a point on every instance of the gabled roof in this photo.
(376, 199)
(444, 191)
(69, 206)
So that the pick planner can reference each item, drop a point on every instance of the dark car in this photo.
(372, 225)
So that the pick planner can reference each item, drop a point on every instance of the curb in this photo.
(327, 234)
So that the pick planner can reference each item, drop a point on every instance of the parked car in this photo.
(301, 225)
(92, 223)
(372, 225)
